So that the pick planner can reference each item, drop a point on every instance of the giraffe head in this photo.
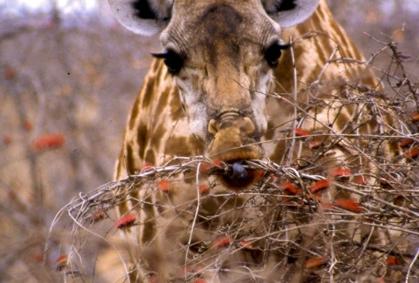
(221, 54)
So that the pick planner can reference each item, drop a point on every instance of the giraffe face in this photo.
(221, 55)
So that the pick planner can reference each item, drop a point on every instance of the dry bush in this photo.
(287, 225)
(77, 81)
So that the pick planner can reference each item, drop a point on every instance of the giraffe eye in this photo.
(273, 53)
(173, 60)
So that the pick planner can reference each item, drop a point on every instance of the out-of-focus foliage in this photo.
(67, 79)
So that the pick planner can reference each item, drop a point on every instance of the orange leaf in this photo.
(221, 242)
(415, 117)
(153, 279)
(38, 257)
(248, 245)
(97, 216)
(360, 180)
(325, 204)
(9, 73)
(299, 132)
(313, 144)
(348, 204)
(218, 163)
(126, 221)
(319, 186)
(412, 153)
(341, 172)
(164, 185)
(314, 262)
(405, 142)
(392, 260)
(7, 140)
(27, 125)
(146, 167)
(48, 141)
(205, 167)
(61, 262)
(290, 188)
(259, 174)
(203, 188)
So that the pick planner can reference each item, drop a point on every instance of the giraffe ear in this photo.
(145, 17)
(288, 13)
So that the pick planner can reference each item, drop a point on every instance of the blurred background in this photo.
(68, 75)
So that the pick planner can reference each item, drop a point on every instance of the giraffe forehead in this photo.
(200, 24)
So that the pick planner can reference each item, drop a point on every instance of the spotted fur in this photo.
(166, 121)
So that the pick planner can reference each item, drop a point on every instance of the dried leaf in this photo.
(126, 221)
(204, 188)
(415, 117)
(340, 172)
(7, 140)
(259, 174)
(290, 188)
(315, 143)
(164, 185)
(247, 245)
(27, 126)
(319, 186)
(221, 242)
(412, 153)
(299, 132)
(48, 141)
(61, 262)
(405, 142)
(314, 262)
(147, 167)
(348, 204)
(392, 260)
(360, 180)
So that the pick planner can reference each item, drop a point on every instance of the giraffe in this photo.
(231, 83)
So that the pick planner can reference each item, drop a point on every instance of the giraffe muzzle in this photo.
(233, 137)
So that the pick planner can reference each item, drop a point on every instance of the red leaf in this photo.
(259, 174)
(392, 260)
(205, 167)
(164, 185)
(405, 142)
(360, 180)
(97, 216)
(38, 257)
(412, 153)
(247, 245)
(218, 163)
(348, 204)
(9, 73)
(126, 221)
(61, 262)
(341, 172)
(319, 186)
(146, 167)
(200, 280)
(314, 262)
(7, 140)
(48, 141)
(299, 132)
(315, 143)
(203, 188)
(415, 117)
(221, 242)
(27, 125)
(290, 188)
